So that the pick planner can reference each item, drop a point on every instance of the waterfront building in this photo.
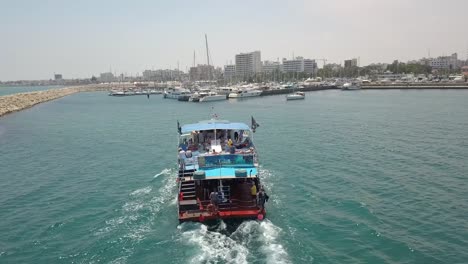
(248, 64)
(299, 64)
(351, 63)
(445, 62)
(202, 72)
(229, 72)
(106, 77)
(271, 66)
(163, 75)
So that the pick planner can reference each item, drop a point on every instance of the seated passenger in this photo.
(232, 150)
(183, 146)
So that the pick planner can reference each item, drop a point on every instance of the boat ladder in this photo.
(188, 189)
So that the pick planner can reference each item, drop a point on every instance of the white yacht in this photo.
(351, 86)
(224, 90)
(295, 96)
(211, 96)
(242, 93)
(174, 93)
(154, 91)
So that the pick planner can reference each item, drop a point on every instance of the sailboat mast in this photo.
(193, 58)
(207, 55)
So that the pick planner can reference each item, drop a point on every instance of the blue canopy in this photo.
(213, 124)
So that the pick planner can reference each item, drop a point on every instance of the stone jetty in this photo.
(16, 102)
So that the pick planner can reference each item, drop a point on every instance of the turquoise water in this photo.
(6, 90)
(353, 177)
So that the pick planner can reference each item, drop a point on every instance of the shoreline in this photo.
(20, 101)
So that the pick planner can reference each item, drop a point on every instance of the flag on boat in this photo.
(254, 125)
(179, 129)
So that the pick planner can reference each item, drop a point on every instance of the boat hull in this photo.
(244, 95)
(184, 98)
(171, 96)
(295, 97)
(211, 98)
(205, 216)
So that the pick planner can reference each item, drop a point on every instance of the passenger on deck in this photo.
(214, 199)
(183, 145)
(181, 154)
(262, 197)
(253, 190)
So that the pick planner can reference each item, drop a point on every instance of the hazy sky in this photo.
(82, 38)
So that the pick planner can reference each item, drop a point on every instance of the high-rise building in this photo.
(350, 63)
(202, 72)
(445, 62)
(57, 77)
(270, 66)
(248, 64)
(107, 77)
(229, 72)
(299, 64)
(163, 75)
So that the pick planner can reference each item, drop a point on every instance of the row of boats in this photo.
(210, 94)
(131, 92)
(206, 95)
(213, 93)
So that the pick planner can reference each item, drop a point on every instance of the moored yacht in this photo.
(351, 86)
(242, 93)
(211, 96)
(295, 96)
(174, 93)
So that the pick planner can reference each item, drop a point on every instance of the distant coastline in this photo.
(19, 101)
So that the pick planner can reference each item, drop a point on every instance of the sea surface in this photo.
(7, 90)
(353, 177)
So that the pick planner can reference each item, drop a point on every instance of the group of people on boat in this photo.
(259, 197)
(204, 141)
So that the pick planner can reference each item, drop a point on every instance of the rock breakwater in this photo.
(20, 101)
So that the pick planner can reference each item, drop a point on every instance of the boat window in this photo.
(225, 160)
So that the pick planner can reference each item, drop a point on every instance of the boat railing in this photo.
(229, 205)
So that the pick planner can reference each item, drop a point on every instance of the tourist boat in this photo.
(351, 86)
(211, 165)
(295, 96)
(174, 93)
(242, 93)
